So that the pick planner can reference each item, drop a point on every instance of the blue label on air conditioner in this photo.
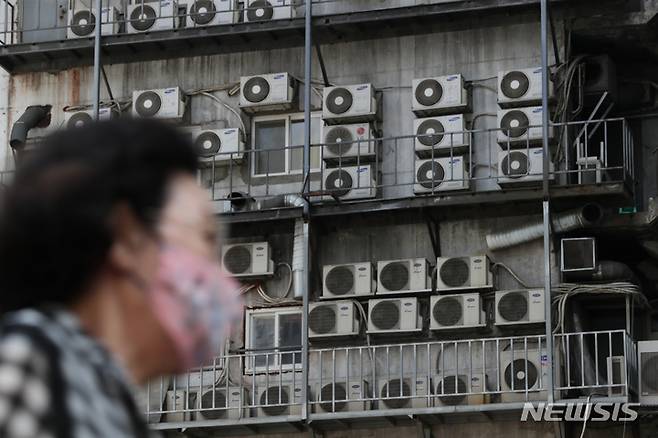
(298, 390)
(344, 308)
(361, 169)
(455, 160)
(229, 131)
(361, 87)
(452, 78)
(537, 152)
(537, 71)
(454, 119)
(537, 110)
(280, 76)
(536, 295)
(169, 90)
(165, 3)
(408, 304)
(470, 300)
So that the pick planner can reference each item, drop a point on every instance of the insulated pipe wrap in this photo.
(298, 261)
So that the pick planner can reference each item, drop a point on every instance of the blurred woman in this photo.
(108, 277)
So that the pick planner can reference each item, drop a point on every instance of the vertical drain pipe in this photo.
(298, 260)
(97, 59)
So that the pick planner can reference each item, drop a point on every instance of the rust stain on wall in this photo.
(74, 86)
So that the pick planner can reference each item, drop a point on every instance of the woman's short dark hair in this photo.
(54, 219)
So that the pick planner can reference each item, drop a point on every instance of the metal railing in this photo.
(370, 380)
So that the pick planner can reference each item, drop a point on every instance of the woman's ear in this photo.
(130, 238)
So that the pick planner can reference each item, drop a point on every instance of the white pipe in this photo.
(572, 220)
(298, 261)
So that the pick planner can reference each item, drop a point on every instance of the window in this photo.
(270, 337)
(271, 134)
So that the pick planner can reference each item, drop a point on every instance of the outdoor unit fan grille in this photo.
(429, 92)
(396, 388)
(339, 140)
(430, 132)
(515, 84)
(395, 276)
(515, 164)
(339, 100)
(237, 259)
(203, 11)
(339, 182)
(83, 23)
(208, 144)
(448, 311)
(148, 104)
(452, 385)
(220, 404)
(385, 315)
(340, 280)
(260, 10)
(513, 306)
(330, 392)
(430, 174)
(143, 18)
(455, 272)
(519, 372)
(79, 120)
(649, 364)
(322, 319)
(271, 397)
(256, 89)
(514, 123)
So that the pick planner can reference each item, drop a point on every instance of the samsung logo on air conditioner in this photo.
(537, 71)
(536, 110)
(537, 152)
(455, 160)
(229, 131)
(279, 76)
(452, 78)
(454, 119)
(361, 87)
(362, 169)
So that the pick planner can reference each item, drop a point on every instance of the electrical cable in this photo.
(227, 106)
(513, 274)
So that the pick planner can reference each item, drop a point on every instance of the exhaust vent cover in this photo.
(515, 84)
(429, 92)
(202, 11)
(430, 175)
(513, 306)
(274, 397)
(340, 140)
(148, 104)
(339, 183)
(452, 385)
(256, 89)
(515, 164)
(455, 272)
(143, 18)
(330, 392)
(220, 404)
(514, 123)
(237, 259)
(431, 131)
(519, 372)
(322, 319)
(260, 10)
(385, 315)
(339, 100)
(649, 364)
(78, 120)
(83, 23)
(208, 144)
(395, 388)
(448, 311)
(395, 276)
(340, 280)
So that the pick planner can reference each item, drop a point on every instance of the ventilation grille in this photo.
(322, 319)
(515, 84)
(148, 104)
(260, 10)
(274, 396)
(256, 89)
(203, 11)
(83, 23)
(430, 132)
(448, 311)
(339, 140)
(340, 280)
(331, 392)
(649, 364)
(429, 92)
(513, 306)
(395, 276)
(143, 17)
(208, 144)
(455, 272)
(385, 315)
(514, 123)
(78, 120)
(237, 259)
(430, 174)
(339, 100)
(339, 183)
(220, 403)
(396, 388)
(520, 372)
(452, 385)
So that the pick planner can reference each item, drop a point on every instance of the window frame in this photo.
(287, 118)
(250, 359)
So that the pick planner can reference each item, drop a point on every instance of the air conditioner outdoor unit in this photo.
(519, 307)
(394, 315)
(266, 10)
(350, 182)
(404, 393)
(647, 354)
(439, 95)
(211, 12)
(463, 273)
(458, 311)
(616, 367)
(331, 319)
(460, 389)
(82, 19)
(269, 92)
(218, 146)
(354, 279)
(348, 143)
(441, 175)
(78, 119)
(221, 403)
(280, 400)
(351, 103)
(409, 275)
(521, 87)
(151, 16)
(522, 167)
(248, 259)
(440, 136)
(523, 372)
(520, 127)
(342, 396)
(180, 405)
(163, 103)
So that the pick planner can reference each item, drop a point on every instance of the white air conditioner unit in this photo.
(348, 143)
(522, 167)
(354, 279)
(179, 405)
(394, 315)
(458, 311)
(331, 319)
(398, 276)
(269, 92)
(350, 182)
(441, 175)
(647, 355)
(404, 393)
(520, 127)
(82, 20)
(211, 12)
(280, 400)
(616, 368)
(266, 10)
(439, 95)
(218, 146)
(151, 16)
(440, 136)
(460, 389)
(462, 273)
(521, 87)
(342, 396)
(163, 103)
(351, 103)
(523, 374)
(221, 403)
(519, 307)
(78, 119)
(248, 259)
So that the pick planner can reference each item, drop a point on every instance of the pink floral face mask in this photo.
(196, 303)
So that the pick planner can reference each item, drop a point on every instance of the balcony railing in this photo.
(373, 380)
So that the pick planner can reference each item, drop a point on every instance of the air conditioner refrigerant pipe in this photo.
(583, 217)
(299, 261)
(31, 118)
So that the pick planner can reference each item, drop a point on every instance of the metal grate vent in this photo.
(340, 280)
(649, 364)
(220, 404)
(203, 11)
(237, 259)
(515, 164)
(452, 385)
(514, 123)
(331, 392)
(322, 319)
(515, 84)
(455, 272)
(143, 17)
(520, 373)
(430, 174)
(429, 92)
(78, 120)
(339, 183)
(430, 132)
(396, 388)
(148, 104)
(274, 396)
(83, 23)
(395, 276)
(339, 140)
(448, 311)
(513, 306)
(208, 144)
(339, 100)
(256, 89)
(260, 10)
(385, 315)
